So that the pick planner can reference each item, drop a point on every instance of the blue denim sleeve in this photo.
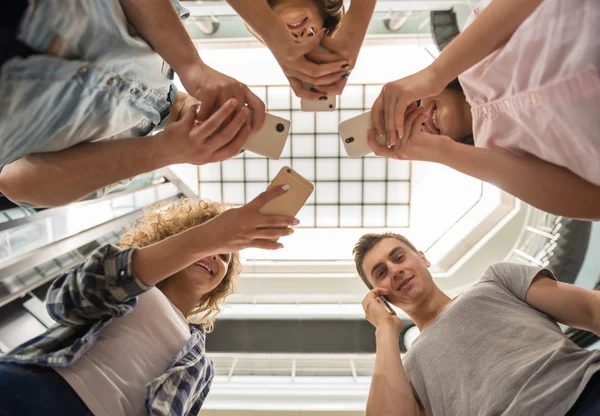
(102, 286)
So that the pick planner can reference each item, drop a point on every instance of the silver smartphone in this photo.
(270, 140)
(354, 135)
(324, 103)
(383, 302)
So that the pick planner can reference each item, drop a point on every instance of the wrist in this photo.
(438, 74)
(386, 329)
(442, 151)
(165, 149)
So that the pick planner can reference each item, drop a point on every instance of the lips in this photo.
(297, 25)
(204, 265)
(404, 283)
(432, 120)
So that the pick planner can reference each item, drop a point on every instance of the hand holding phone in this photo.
(354, 133)
(384, 303)
(290, 203)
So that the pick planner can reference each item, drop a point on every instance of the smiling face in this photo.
(203, 276)
(302, 17)
(393, 265)
(448, 114)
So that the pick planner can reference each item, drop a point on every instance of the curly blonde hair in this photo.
(164, 220)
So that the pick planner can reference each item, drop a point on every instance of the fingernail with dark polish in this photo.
(345, 66)
(344, 76)
(313, 89)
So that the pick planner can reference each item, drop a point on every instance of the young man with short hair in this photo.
(495, 349)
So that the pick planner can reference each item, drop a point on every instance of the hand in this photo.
(324, 56)
(376, 313)
(416, 144)
(291, 58)
(213, 89)
(396, 96)
(245, 227)
(191, 141)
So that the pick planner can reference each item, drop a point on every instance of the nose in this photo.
(299, 34)
(214, 257)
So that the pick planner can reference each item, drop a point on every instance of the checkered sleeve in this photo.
(102, 286)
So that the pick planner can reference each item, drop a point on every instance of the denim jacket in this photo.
(107, 84)
(84, 301)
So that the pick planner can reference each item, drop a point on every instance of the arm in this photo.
(490, 30)
(570, 305)
(159, 25)
(390, 393)
(546, 186)
(58, 178)
(494, 27)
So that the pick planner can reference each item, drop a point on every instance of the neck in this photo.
(468, 116)
(183, 300)
(425, 313)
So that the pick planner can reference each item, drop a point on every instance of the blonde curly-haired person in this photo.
(132, 320)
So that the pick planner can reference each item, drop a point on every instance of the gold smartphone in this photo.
(290, 203)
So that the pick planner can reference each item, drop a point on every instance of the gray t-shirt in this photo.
(491, 353)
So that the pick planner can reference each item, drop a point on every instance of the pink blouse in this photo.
(539, 94)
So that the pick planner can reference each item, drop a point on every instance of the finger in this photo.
(376, 292)
(206, 106)
(272, 233)
(334, 89)
(324, 57)
(412, 107)
(389, 119)
(258, 109)
(409, 124)
(233, 147)
(271, 193)
(339, 75)
(399, 116)
(215, 121)
(229, 130)
(265, 244)
(279, 221)
(317, 71)
(377, 148)
(189, 117)
(302, 92)
(376, 115)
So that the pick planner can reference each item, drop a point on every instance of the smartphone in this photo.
(270, 140)
(354, 135)
(324, 103)
(383, 302)
(290, 203)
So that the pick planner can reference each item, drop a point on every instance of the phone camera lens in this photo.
(349, 139)
(280, 127)
(323, 98)
(289, 171)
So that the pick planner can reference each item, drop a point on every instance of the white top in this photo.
(130, 352)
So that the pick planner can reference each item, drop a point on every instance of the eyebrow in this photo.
(391, 254)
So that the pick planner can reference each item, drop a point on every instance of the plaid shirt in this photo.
(84, 301)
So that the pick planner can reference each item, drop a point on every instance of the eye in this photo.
(400, 258)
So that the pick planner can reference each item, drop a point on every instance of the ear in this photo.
(422, 255)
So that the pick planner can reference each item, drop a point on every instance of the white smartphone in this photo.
(270, 139)
(324, 103)
(354, 135)
(290, 203)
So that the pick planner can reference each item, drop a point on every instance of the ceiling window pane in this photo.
(353, 97)
(210, 172)
(327, 122)
(306, 167)
(398, 192)
(328, 145)
(327, 216)
(398, 169)
(302, 145)
(278, 98)
(303, 122)
(350, 215)
(233, 193)
(398, 216)
(351, 193)
(374, 215)
(375, 169)
(233, 170)
(374, 192)
(211, 191)
(327, 169)
(256, 169)
(327, 193)
(352, 169)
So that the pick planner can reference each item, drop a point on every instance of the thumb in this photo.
(189, 117)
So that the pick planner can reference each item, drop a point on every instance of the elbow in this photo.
(19, 186)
